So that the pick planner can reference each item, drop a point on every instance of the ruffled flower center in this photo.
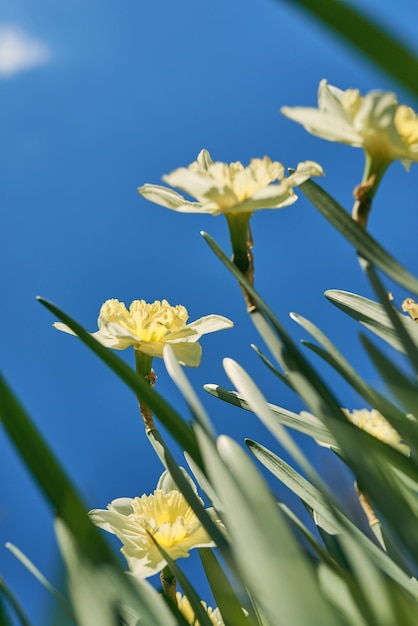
(166, 516)
(148, 322)
(236, 183)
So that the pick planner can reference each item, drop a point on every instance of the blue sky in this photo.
(101, 98)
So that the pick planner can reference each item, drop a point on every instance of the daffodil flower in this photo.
(188, 613)
(149, 327)
(373, 423)
(164, 516)
(410, 306)
(386, 130)
(234, 191)
(375, 122)
(230, 188)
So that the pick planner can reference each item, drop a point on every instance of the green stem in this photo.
(168, 582)
(144, 369)
(242, 257)
(374, 168)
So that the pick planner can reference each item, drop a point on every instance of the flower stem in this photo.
(374, 169)
(168, 582)
(242, 256)
(144, 369)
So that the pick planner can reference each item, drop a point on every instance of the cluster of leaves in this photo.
(262, 573)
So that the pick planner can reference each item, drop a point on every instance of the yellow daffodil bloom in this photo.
(149, 327)
(230, 187)
(164, 516)
(376, 122)
(376, 425)
(186, 610)
(410, 306)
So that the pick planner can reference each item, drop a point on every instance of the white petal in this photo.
(208, 324)
(305, 170)
(166, 482)
(122, 505)
(195, 184)
(100, 336)
(169, 199)
(323, 125)
(267, 198)
(64, 328)
(204, 159)
(146, 566)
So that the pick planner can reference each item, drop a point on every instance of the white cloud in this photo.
(19, 51)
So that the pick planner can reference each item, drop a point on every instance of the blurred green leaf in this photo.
(373, 316)
(365, 34)
(40, 577)
(313, 498)
(177, 375)
(4, 616)
(183, 484)
(201, 614)
(262, 543)
(403, 335)
(168, 416)
(102, 595)
(364, 243)
(50, 477)
(404, 389)
(337, 589)
(222, 590)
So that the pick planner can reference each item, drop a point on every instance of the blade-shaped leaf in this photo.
(40, 577)
(101, 595)
(307, 424)
(5, 592)
(50, 476)
(364, 243)
(403, 335)
(403, 388)
(373, 316)
(314, 500)
(200, 614)
(262, 543)
(374, 41)
(222, 590)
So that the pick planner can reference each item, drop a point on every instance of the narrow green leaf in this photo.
(314, 500)
(397, 418)
(262, 543)
(338, 591)
(373, 316)
(40, 577)
(167, 415)
(319, 549)
(364, 243)
(222, 590)
(200, 614)
(271, 367)
(50, 476)
(307, 492)
(177, 375)
(403, 335)
(365, 35)
(403, 388)
(103, 595)
(20, 614)
(183, 484)
(306, 424)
